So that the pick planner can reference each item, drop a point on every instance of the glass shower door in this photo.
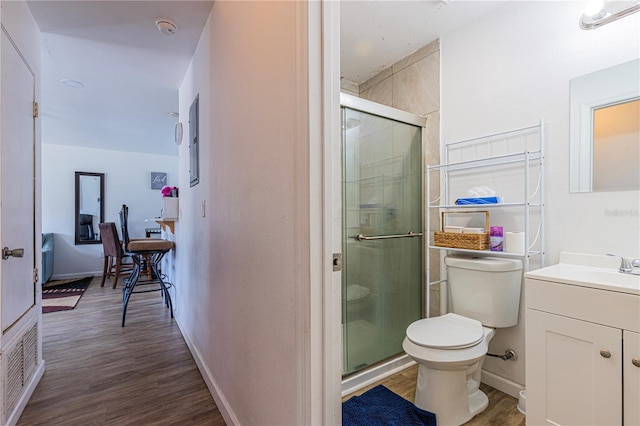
(382, 266)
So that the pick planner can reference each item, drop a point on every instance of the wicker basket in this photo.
(463, 241)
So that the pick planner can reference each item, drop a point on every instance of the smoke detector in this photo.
(166, 26)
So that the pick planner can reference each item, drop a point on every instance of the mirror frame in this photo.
(77, 206)
(589, 92)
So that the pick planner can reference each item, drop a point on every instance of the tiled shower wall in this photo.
(413, 84)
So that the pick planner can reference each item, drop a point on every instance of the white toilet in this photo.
(450, 349)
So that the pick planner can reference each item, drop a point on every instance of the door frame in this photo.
(325, 211)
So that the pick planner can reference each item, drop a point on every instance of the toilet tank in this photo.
(486, 289)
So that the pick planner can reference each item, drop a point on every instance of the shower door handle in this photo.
(410, 234)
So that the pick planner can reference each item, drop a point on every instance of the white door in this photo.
(631, 377)
(578, 375)
(17, 144)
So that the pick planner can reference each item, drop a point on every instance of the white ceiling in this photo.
(376, 34)
(132, 72)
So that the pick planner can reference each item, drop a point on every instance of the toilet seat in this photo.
(449, 331)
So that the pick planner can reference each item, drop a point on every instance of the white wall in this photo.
(127, 181)
(512, 68)
(241, 295)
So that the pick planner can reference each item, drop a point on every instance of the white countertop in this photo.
(592, 271)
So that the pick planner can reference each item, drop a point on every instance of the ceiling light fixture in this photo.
(72, 83)
(595, 15)
(166, 26)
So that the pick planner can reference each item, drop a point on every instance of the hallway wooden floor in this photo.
(98, 373)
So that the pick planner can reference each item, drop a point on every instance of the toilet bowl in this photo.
(450, 349)
(358, 301)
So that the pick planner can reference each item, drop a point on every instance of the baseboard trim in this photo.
(503, 385)
(75, 275)
(229, 416)
(26, 395)
(372, 375)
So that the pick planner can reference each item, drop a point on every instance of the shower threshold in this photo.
(376, 372)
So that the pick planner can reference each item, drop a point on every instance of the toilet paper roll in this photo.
(514, 242)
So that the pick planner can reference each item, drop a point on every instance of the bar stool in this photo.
(124, 224)
(147, 251)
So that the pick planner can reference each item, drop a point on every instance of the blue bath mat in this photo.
(381, 407)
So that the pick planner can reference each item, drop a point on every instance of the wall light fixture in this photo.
(595, 15)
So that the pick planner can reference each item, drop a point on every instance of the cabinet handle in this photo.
(605, 353)
(636, 362)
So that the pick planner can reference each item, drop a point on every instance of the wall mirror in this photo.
(605, 130)
(89, 211)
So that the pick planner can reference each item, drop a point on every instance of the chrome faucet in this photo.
(628, 266)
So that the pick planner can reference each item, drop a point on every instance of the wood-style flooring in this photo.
(502, 409)
(99, 373)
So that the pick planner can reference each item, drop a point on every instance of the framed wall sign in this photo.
(158, 180)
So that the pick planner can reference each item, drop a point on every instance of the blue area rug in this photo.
(381, 407)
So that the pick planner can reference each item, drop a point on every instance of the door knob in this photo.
(605, 353)
(6, 253)
(636, 362)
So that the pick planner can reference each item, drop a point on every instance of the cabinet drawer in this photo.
(620, 310)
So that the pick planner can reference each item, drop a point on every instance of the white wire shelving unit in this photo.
(519, 151)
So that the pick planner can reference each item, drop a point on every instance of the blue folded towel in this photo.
(381, 407)
(479, 200)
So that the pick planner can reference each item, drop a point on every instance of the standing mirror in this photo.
(89, 210)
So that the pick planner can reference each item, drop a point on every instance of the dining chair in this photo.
(113, 254)
(124, 224)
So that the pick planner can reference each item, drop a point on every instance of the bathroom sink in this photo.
(604, 275)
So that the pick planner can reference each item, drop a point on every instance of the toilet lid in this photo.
(449, 331)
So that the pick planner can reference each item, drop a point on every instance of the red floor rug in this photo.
(62, 295)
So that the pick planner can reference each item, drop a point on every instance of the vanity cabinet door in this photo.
(574, 371)
(631, 377)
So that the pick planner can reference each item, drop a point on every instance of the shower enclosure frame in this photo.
(385, 368)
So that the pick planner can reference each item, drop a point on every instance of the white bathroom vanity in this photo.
(582, 343)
